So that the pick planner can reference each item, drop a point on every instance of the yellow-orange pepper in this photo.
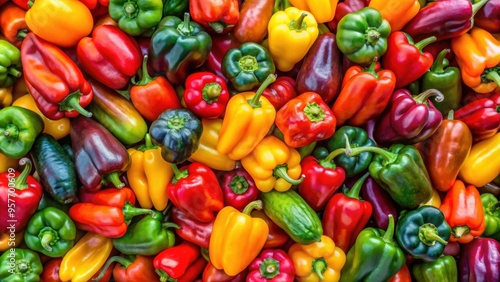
(57, 128)
(319, 261)
(237, 238)
(322, 10)
(149, 175)
(85, 259)
(6, 242)
(435, 200)
(5, 97)
(397, 12)
(483, 163)
(478, 56)
(6, 163)
(273, 165)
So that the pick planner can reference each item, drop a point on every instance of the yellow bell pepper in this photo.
(435, 200)
(249, 117)
(397, 12)
(319, 261)
(6, 163)
(322, 10)
(291, 28)
(237, 238)
(85, 259)
(207, 153)
(6, 242)
(149, 175)
(57, 128)
(5, 97)
(273, 164)
(483, 163)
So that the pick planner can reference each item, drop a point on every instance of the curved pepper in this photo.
(482, 165)
(13, 23)
(443, 269)
(271, 265)
(206, 94)
(27, 265)
(220, 16)
(382, 203)
(19, 128)
(176, 262)
(254, 17)
(479, 261)
(136, 16)
(482, 116)
(491, 208)
(397, 12)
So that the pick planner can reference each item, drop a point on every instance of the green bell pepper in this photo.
(50, 232)
(149, 236)
(136, 16)
(10, 64)
(47, 201)
(445, 79)
(362, 35)
(177, 47)
(491, 207)
(423, 233)
(444, 269)
(20, 265)
(374, 257)
(175, 8)
(247, 66)
(19, 128)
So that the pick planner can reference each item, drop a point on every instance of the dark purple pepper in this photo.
(480, 261)
(382, 203)
(488, 17)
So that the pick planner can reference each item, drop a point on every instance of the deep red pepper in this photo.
(488, 17)
(95, 4)
(344, 8)
(482, 116)
(238, 188)
(130, 268)
(190, 229)
(112, 197)
(174, 262)
(22, 4)
(194, 270)
(382, 203)
(26, 196)
(277, 237)
(212, 274)
(220, 45)
(272, 265)
(50, 271)
(216, 15)
(206, 94)
(280, 91)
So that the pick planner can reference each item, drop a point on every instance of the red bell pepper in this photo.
(53, 79)
(216, 15)
(305, 119)
(405, 58)
(206, 94)
(364, 95)
(272, 265)
(195, 190)
(130, 268)
(20, 194)
(22, 4)
(482, 116)
(220, 45)
(110, 56)
(179, 261)
(408, 118)
(212, 274)
(238, 188)
(280, 91)
(403, 275)
(277, 237)
(190, 229)
(344, 8)
(346, 215)
(112, 197)
(95, 4)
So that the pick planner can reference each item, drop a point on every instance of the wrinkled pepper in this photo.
(491, 209)
(19, 128)
(482, 116)
(219, 16)
(206, 94)
(192, 230)
(13, 23)
(136, 16)
(398, 13)
(238, 188)
(280, 91)
(482, 164)
(10, 64)
(272, 265)
(443, 269)
(479, 261)
(20, 264)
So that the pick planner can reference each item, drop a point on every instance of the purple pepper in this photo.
(381, 201)
(480, 261)
(488, 17)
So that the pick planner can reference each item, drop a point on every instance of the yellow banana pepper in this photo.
(483, 163)
(291, 28)
(397, 12)
(57, 128)
(249, 117)
(207, 153)
(5, 97)
(322, 10)
(149, 175)
(6, 163)
(273, 165)
(85, 259)
(231, 228)
(319, 261)
(6, 242)
(435, 200)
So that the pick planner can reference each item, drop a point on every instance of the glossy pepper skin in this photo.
(206, 94)
(323, 11)
(362, 35)
(481, 116)
(397, 13)
(344, 8)
(272, 265)
(10, 63)
(178, 46)
(381, 201)
(136, 17)
(238, 188)
(280, 91)
(253, 20)
(479, 261)
(13, 23)
(370, 86)
(491, 209)
(488, 17)
(53, 79)
(221, 43)
(175, 262)
(481, 166)
(19, 128)
(216, 15)
(443, 269)
(192, 230)
(130, 268)
(175, 7)
(27, 266)
(276, 237)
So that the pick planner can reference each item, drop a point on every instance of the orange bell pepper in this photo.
(6, 242)
(13, 24)
(397, 12)
(237, 238)
(322, 10)
(319, 261)
(482, 165)
(463, 211)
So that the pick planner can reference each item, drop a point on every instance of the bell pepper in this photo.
(323, 11)
(195, 190)
(177, 132)
(130, 268)
(346, 215)
(482, 164)
(362, 35)
(20, 265)
(276, 237)
(206, 94)
(63, 22)
(175, 262)
(110, 56)
(232, 227)
(481, 116)
(271, 265)
(409, 119)
(488, 16)
(149, 236)
(175, 7)
(291, 27)
(192, 230)
(406, 58)
(85, 259)
(238, 188)
(344, 8)
(319, 261)
(280, 91)
(304, 151)
(476, 53)
(19, 128)
(305, 119)
(491, 209)
(212, 274)
(374, 257)
(6, 97)
(397, 13)
(220, 45)
(443, 269)
(464, 212)
(20, 195)
(248, 118)
(6, 242)
(479, 261)
(6, 163)
(253, 21)
(247, 66)
(112, 197)
(403, 275)
(443, 19)
(177, 46)
(13, 23)
(136, 16)
(371, 88)
(218, 16)
(381, 201)
(10, 64)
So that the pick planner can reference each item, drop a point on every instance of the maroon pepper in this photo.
(479, 261)
(488, 17)
(280, 91)
(212, 274)
(220, 45)
(238, 188)
(272, 265)
(482, 116)
(190, 229)
(382, 203)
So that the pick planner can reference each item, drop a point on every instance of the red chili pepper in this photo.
(217, 15)
(212, 274)
(190, 229)
(175, 262)
(238, 188)
(220, 45)
(112, 197)
(277, 237)
(272, 265)
(206, 94)
(280, 91)
(482, 116)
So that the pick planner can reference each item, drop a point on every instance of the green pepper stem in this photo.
(314, 112)
(21, 34)
(46, 239)
(14, 72)
(281, 171)
(11, 132)
(239, 185)
(269, 268)
(494, 76)
(72, 102)
(167, 225)
(178, 174)
(254, 102)
(205, 253)
(211, 92)
(372, 36)
(298, 23)
(438, 65)
(494, 207)
(164, 277)
(459, 231)
(428, 234)
(217, 27)
(129, 8)
(424, 42)
(185, 27)
(477, 6)
(129, 211)
(371, 68)
(21, 182)
(431, 236)
(389, 233)
(148, 144)
(386, 155)
(119, 259)
(451, 115)
(144, 74)
(281, 5)
(254, 205)
(31, 3)
(335, 154)
(114, 177)
(354, 192)
(424, 96)
(319, 266)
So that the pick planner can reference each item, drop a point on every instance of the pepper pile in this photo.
(256, 140)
